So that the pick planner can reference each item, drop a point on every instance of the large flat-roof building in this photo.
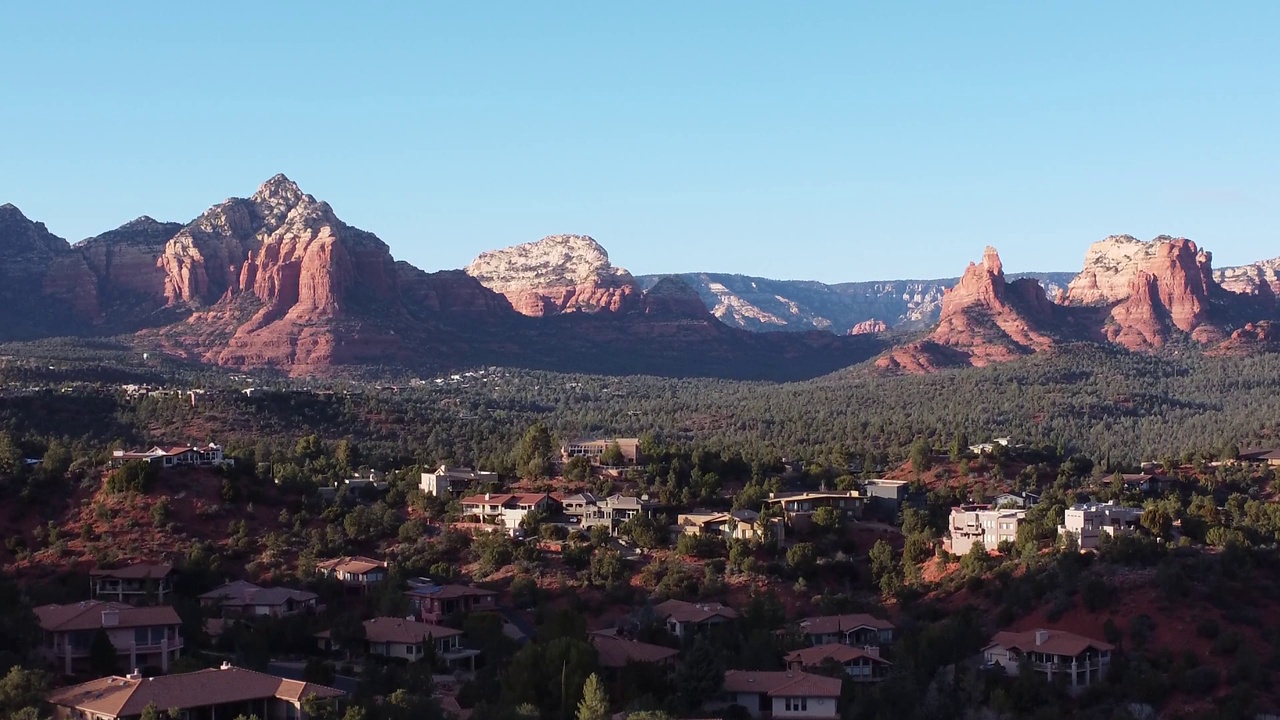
(970, 524)
(1090, 521)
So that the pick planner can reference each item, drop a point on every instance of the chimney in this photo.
(773, 496)
(873, 650)
(488, 496)
(225, 665)
(1042, 637)
(135, 675)
(110, 618)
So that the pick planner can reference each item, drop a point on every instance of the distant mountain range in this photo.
(277, 281)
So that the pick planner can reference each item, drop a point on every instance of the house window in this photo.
(797, 704)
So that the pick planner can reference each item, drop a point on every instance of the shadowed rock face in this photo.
(557, 274)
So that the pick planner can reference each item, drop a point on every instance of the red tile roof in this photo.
(616, 652)
(398, 630)
(829, 624)
(1055, 642)
(816, 655)
(781, 684)
(88, 616)
(121, 697)
(682, 611)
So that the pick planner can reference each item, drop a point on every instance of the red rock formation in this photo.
(984, 320)
(1170, 292)
(672, 297)
(449, 292)
(1253, 338)
(557, 274)
(868, 327)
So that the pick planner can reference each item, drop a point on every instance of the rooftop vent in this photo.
(135, 675)
(225, 666)
(1042, 637)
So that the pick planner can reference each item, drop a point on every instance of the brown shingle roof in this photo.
(398, 630)
(816, 655)
(1056, 642)
(88, 616)
(616, 652)
(122, 697)
(137, 571)
(682, 611)
(447, 592)
(828, 624)
(779, 684)
(241, 593)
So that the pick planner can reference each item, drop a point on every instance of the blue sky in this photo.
(821, 140)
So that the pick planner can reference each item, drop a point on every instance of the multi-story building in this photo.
(593, 449)
(451, 481)
(227, 692)
(433, 603)
(506, 511)
(142, 636)
(1052, 653)
(798, 508)
(354, 572)
(684, 619)
(1090, 521)
(858, 629)
(971, 524)
(409, 640)
(178, 456)
(862, 664)
(611, 512)
(244, 599)
(737, 524)
(137, 584)
(779, 694)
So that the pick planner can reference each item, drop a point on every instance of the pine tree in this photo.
(595, 702)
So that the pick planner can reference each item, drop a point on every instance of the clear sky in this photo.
(816, 140)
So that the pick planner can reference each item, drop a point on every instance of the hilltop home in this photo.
(137, 584)
(971, 524)
(242, 598)
(798, 508)
(738, 524)
(684, 619)
(507, 511)
(785, 694)
(451, 481)
(1015, 500)
(861, 664)
(1264, 456)
(853, 629)
(408, 640)
(615, 652)
(1090, 521)
(354, 572)
(1051, 653)
(433, 603)
(219, 694)
(142, 636)
(177, 456)
(613, 511)
(593, 449)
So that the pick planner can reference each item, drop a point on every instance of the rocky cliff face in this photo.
(129, 279)
(1155, 290)
(45, 288)
(869, 327)
(765, 305)
(984, 319)
(557, 274)
(1261, 279)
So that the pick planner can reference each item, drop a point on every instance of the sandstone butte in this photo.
(869, 327)
(557, 274)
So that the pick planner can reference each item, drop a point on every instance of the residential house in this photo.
(615, 652)
(858, 629)
(1143, 483)
(219, 694)
(798, 508)
(433, 603)
(1015, 500)
(1052, 653)
(970, 524)
(987, 448)
(886, 496)
(142, 636)
(577, 505)
(738, 524)
(409, 639)
(240, 598)
(684, 619)
(863, 664)
(454, 481)
(368, 481)
(506, 512)
(1262, 456)
(137, 584)
(1090, 521)
(615, 510)
(593, 449)
(779, 694)
(176, 456)
(356, 573)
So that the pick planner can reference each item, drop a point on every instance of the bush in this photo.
(134, 476)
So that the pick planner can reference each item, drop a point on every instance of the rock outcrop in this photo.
(45, 288)
(1260, 279)
(984, 319)
(130, 280)
(869, 327)
(557, 274)
(1155, 290)
(1253, 338)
